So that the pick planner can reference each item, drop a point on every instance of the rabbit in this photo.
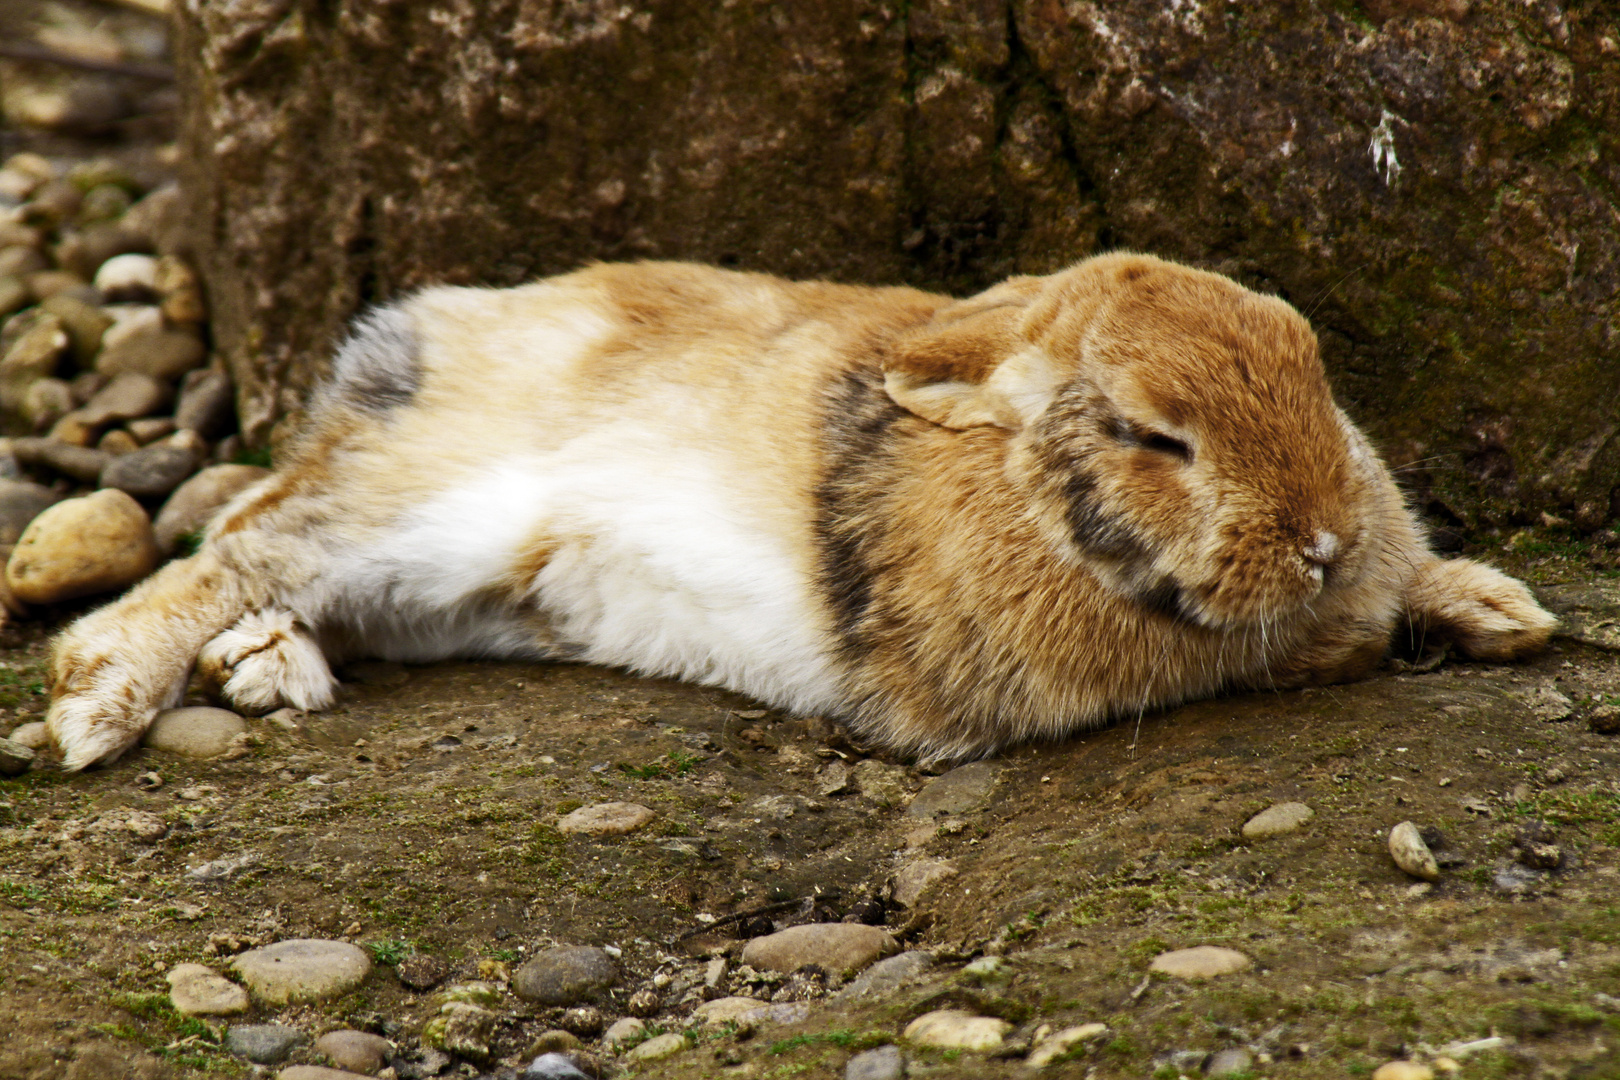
(955, 525)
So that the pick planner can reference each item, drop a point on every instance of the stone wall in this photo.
(1435, 182)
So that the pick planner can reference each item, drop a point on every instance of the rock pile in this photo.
(105, 385)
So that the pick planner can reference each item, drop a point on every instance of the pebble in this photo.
(1402, 1070)
(1411, 854)
(726, 1010)
(20, 503)
(886, 785)
(657, 1048)
(917, 877)
(181, 291)
(17, 260)
(1548, 704)
(1058, 1043)
(46, 403)
(75, 462)
(955, 1029)
(32, 735)
(1515, 879)
(883, 1063)
(32, 356)
(555, 1041)
(357, 1051)
(553, 1067)
(158, 352)
(13, 295)
(565, 975)
(885, 975)
(1201, 962)
(644, 1003)
(125, 397)
(149, 429)
(126, 279)
(152, 471)
(118, 441)
(837, 948)
(195, 502)
(626, 1030)
(314, 1072)
(262, 1044)
(584, 1021)
(85, 324)
(196, 990)
(1278, 820)
(463, 1029)
(81, 547)
(301, 970)
(833, 779)
(194, 731)
(1605, 720)
(15, 758)
(421, 971)
(606, 819)
(1231, 1062)
(207, 405)
(962, 790)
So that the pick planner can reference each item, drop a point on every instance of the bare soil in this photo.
(420, 814)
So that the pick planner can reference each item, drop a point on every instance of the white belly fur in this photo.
(652, 568)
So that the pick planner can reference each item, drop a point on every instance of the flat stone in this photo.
(886, 975)
(553, 1066)
(963, 789)
(657, 1048)
(20, 503)
(127, 278)
(126, 397)
(1277, 820)
(32, 735)
(34, 355)
(207, 404)
(626, 1030)
(149, 429)
(837, 948)
(565, 975)
(1055, 1045)
(886, 785)
(606, 819)
(79, 463)
(195, 502)
(194, 731)
(46, 402)
(160, 353)
(314, 1072)
(303, 969)
(955, 1029)
(726, 1010)
(357, 1051)
(81, 547)
(1402, 1070)
(1235, 1061)
(196, 990)
(882, 1063)
(914, 879)
(554, 1041)
(15, 758)
(421, 971)
(1201, 962)
(152, 471)
(263, 1044)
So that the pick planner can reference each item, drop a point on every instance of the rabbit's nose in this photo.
(1323, 548)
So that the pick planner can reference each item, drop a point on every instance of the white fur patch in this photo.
(266, 661)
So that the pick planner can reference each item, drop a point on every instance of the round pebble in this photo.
(1058, 1043)
(15, 758)
(606, 819)
(1201, 962)
(1411, 854)
(81, 547)
(196, 990)
(954, 1029)
(584, 1021)
(302, 970)
(1277, 820)
(565, 975)
(1402, 1070)
(963, 789)
(626, 1030)
(838, 948)
(357, 1051)
(152, 471)
(883, 1063)
(262, 1044)
(657, 1048)
(726, 1010)
(125, 278)
(195, 731)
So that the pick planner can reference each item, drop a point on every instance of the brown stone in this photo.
(81, 547)
(195, 502)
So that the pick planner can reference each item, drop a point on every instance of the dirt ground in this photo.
(420, 815)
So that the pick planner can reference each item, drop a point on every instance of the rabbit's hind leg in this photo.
(266, 661)
(117, 667)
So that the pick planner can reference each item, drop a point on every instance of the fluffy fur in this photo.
(954, 524)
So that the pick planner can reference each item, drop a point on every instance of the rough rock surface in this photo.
(302, 970)
(196, 990)
(565, 975)
(1429, 180)
(1201, 962)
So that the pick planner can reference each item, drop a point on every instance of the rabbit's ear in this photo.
(974, 363)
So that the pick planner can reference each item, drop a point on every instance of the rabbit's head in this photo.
(1175, 433)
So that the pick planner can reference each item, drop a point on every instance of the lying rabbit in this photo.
(954, 524)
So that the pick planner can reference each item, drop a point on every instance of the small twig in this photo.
(739, 916)
(23, 50)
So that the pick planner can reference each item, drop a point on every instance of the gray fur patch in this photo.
(379, 366)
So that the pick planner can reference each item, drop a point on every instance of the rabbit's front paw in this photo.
(102, 702)
(1488, 614)
(267, 661)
